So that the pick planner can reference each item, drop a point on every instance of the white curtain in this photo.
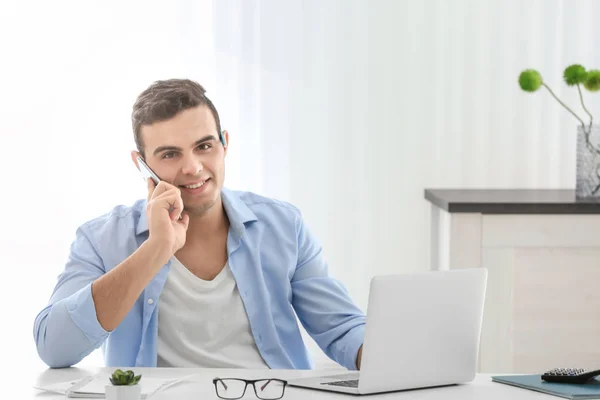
(349, 109)
(70, 73)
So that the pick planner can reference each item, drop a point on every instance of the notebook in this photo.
(590, 390)
(92, 387)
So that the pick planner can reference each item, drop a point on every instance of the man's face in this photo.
(186, 152)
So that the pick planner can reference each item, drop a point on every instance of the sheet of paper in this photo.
(62, 387)
(96, 386)
(93, 386)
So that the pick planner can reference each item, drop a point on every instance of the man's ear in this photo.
(134, 155)
(226, 140)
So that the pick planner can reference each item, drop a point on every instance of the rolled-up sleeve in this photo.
(323, 305)
(67, 329)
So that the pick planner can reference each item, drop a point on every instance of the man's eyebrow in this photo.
(160, 149)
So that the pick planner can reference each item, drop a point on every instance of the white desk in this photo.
(201, 388)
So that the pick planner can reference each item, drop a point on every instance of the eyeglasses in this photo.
(233, 388)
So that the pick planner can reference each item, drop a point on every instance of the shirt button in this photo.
(150, 301)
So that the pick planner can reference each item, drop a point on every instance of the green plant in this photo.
(531, 80)
(127, 378)
(592, 83)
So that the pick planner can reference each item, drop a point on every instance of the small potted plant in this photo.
(124, 386)
(587, 182)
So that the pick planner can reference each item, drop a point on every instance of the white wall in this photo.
(374, 101)
(69, 75)
(347, 108)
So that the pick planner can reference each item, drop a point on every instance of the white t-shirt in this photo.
(204, 323)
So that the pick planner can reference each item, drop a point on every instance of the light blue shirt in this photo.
(278, 266)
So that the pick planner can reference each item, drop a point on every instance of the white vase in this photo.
(588, 162)
(123, 392)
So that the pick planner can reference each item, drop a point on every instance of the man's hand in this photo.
(115, 292)
(165, 206)
(359, 357)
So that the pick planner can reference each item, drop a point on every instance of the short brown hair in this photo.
(163, 100)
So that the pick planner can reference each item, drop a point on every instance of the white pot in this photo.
(133, 392)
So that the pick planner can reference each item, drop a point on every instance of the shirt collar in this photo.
(237, 211)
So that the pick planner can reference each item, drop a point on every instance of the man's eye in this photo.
(168, 155)
(204, 146)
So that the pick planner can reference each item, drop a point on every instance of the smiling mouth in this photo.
(195, 185)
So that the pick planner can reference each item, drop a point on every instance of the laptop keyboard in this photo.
(353, 383)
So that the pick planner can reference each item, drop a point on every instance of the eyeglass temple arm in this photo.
(222, 383)
(265, 385)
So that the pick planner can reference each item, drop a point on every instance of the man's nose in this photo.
(192, 166)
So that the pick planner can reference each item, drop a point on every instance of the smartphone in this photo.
(146, 171)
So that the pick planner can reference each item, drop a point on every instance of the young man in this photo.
(196, 275)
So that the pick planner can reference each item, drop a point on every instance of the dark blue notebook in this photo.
(590, 390)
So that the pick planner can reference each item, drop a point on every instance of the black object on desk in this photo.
(570, 375)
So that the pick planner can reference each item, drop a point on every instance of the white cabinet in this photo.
(543, 300)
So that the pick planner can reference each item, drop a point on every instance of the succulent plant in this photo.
(127, 378)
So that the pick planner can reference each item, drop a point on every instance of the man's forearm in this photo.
(115, 292)
(359, 357)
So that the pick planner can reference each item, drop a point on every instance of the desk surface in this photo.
(512, 201)
(201, 387)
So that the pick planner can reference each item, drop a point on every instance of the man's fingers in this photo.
(174, 195)
(185, 220)
(176, 208)
(161, 188)
(170, 201)
(175, 213)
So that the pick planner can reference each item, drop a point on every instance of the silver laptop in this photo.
(422, 330)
